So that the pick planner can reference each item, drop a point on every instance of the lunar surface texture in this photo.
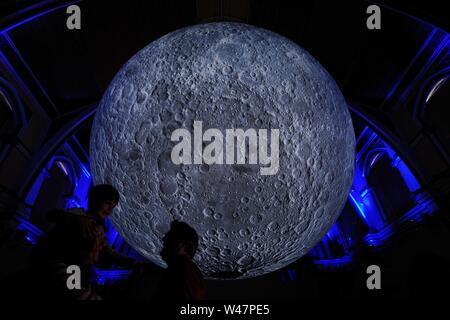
(228, 76)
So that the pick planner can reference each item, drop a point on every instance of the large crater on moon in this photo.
(226, 75)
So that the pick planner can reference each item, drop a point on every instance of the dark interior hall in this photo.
(396, 82)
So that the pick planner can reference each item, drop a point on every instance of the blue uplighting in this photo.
(85, 171)
(292, 274)
(32, 233)
(336, 262)
(358, 206)
(416, 214)
(363, 199)
(108, 277)
(408, 177)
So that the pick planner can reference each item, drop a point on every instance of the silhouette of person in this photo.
(55, 251)
(182, 280)
(102, 199)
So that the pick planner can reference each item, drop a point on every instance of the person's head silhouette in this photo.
(180, 241)
(102, 199)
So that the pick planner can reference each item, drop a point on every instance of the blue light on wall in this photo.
(74, 169)
(364, 200)
(371, 152)
(358, 206)
(408, 177)
(32, 233)
(361, 196)
(108, 277)
(425, 207)
(336, 262)
(289, 276)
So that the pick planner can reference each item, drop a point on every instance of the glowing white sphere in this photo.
(226, 75)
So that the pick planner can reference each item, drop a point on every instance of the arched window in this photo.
(57, 185)
(12, 116)
(389, 186)
(437, 104)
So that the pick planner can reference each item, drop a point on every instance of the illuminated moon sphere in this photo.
(228, 76)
